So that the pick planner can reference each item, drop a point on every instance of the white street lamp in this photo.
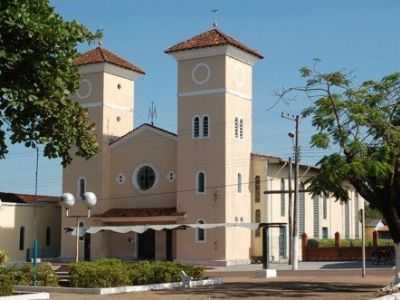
(68, 201)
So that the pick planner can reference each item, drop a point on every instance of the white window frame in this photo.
(78, 187)
(197, 232)
(135, 175)
(193, 127)
(197, 182)
(202, 127)
(236, 127)
(241, 129)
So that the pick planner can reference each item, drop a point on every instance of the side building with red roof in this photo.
(24, 218)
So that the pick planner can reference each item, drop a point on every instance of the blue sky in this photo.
(359, 35)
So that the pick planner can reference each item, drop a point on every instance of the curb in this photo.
(115, 290)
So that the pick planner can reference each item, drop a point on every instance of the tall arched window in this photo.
(200, 233)
(241, 129)
(201, 182)
(205, 126)
(257, 189)
(196, 127)
(48, 236)
(22, 238)
(239, 182)
(81, 187)
(236, 127)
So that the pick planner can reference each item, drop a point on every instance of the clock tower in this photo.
(214, 145)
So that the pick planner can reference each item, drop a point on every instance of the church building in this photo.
(205, 173)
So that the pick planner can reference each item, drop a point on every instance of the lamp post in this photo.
(68, 201)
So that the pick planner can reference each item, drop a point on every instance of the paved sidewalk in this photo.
(304, 266)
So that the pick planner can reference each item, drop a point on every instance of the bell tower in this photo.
(106, 90)
(214, 145)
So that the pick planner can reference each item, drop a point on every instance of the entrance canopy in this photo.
(143, 228)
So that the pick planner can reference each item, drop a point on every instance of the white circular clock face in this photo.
(201, 73)
(85, 89)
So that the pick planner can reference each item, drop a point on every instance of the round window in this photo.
(145, 178)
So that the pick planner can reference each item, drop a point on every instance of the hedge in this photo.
(329, 243)
(6, 283)
(23, 275)
(113, 273)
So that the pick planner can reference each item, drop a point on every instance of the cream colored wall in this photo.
(147, 147)
(270, 207)
(14, 216)
(104, 105)
(220, 155)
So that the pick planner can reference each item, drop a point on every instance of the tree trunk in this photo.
(396, 280)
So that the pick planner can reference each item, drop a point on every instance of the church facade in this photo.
(205, 173)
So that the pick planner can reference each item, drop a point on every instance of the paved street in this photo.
(331, 284)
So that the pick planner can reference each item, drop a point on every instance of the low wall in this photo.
(337, 253)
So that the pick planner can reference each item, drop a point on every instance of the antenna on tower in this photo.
(214, 12)
(152, 113)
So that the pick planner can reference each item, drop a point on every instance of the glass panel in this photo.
(239, 183)
(82, 187)
(236, 127)
(283, 200)
(205, 126)
(241, 128)
(146, 178)
(196, 127)
(257, 189)
(201, 182)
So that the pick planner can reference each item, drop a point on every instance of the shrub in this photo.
(3, 257)
(385, 242)
(147, 272)
(313, 243)
(101, 273)
(6, 284)
(23, 275)
(112, 273)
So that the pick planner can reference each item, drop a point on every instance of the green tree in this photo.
(362, 121)
(37, 77)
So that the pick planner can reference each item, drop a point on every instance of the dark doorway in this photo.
(86, 247)
(169, 244)
(147, 245)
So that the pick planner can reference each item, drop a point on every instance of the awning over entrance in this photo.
(139, 216)
(143, 228)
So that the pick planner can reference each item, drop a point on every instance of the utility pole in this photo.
(36, 171)
(295, 241)
(290, 211)
(362, 217)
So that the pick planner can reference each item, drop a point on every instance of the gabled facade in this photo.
(147, 175)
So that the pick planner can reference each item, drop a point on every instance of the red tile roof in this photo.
(101, 55)
(211, 38)
(26, 198)
(141, 212)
